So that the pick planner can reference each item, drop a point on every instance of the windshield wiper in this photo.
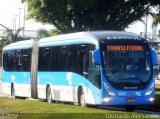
(135, 78)
(141, 82)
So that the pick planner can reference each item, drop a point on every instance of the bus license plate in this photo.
(131, 99)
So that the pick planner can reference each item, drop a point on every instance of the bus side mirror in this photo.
(97, 57)
(154, 57)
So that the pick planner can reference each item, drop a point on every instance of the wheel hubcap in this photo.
(82, 100)
(49, 98)
(13, 93)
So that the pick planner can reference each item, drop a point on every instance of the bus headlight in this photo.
(109, 91)
(150, 90)
(106, 99)
(151, 99)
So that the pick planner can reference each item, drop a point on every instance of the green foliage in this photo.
(42, 33)
(84, 15)
(10, 37)
(54, 32)
(156, 19)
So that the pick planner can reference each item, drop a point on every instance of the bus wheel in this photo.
(130, 107)
(48, 95)
(82, 99)
(13, 95)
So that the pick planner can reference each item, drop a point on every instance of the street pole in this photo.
(146, 26)
(24, 17)
(15, 22)
(19, 25)
(146, 21)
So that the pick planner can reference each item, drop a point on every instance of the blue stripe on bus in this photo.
(16, 77)
(60, 78)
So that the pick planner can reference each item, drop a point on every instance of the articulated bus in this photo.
(88, 68)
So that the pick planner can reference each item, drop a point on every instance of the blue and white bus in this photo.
(95, 68)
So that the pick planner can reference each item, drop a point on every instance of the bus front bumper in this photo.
(147, 100)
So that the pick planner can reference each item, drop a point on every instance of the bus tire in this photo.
(13, 95)
(48, 95)
(130, 107)
(81, 98)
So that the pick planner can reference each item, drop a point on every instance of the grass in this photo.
(33, 109)
(158, 93)
(33, 106)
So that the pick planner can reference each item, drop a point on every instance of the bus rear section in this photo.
(127, 72)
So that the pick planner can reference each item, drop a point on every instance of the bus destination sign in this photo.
(125, 48)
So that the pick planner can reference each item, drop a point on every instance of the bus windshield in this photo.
(127, 66)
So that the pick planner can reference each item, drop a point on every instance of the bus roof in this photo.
(85, 37)
(80, 37)
(98, 35)
(19, 45)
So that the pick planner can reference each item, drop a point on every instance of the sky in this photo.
(10, 8)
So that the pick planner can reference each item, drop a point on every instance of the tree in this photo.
(11, 37)
(156, 19)
(54, 32)
(42, 33)
(83, 15)
(7, 39)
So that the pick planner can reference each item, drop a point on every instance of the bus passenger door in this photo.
(94, 79)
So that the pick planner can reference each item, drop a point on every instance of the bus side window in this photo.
(72, 58)
(11, 59)
(5, 60)
(46, 58)
(81, 59)
(26, 59)
(86, 60)
(18, 60)
(55, 58)
(63, 58)
(40, 59)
